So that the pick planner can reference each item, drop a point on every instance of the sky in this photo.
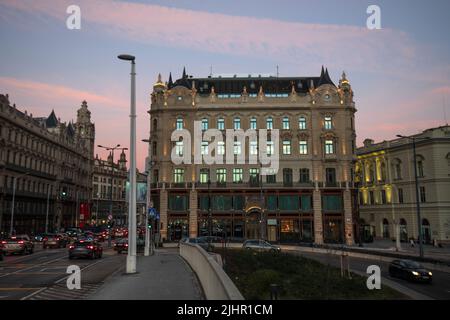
(400, 74)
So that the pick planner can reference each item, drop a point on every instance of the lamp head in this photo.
(127, 57)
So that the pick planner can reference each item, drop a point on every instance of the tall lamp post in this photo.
(112, 149)
(419, 220)
(131, 257)
(11, 227)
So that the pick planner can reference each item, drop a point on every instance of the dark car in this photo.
(53, 240)
(85, 249)
(17, 244)
(410, 270)
(260, 245)
(122, 244)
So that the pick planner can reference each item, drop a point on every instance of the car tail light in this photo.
(45, 239)
(90, 247)
(3, 242)
(71, 247)
(21, 241)
(126, 244)
(57, 239)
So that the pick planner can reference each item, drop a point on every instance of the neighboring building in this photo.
(141, 198)
(103, 196)
(387, 196)
(310, 198)
(47, 161)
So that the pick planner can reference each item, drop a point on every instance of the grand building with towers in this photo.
(310, 198)
(46, 169)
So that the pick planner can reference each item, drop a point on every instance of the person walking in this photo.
(412, 242)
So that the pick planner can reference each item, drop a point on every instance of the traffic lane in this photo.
(438, 289)
(27, 281)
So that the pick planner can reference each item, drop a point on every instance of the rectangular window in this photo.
(178, 175)
(328, 123)
(286, 123)
(178, 202)
(221, 203)
(237, 123)
(204, 175)
(204, 124)
(330, 175)
(371, 197)
(303, 147)
(270, 148)
(179, 125)
(237, 175)
(332, 202)
(253, 147)
(304, 175)
(269, 123)
(221, 175)
(287, 176)
(329, 147)
(400, 195)
(253, 123)
(423, 197)
(221, 124)
(272, 202)
(179, 148)
(383, 196)
(220, 147)
(286, 147)
(305, 203)
(238, 202)
(237, 147)
(302, 123)
(289, 203)
(254, 175)
(204, 148)
(271, 178)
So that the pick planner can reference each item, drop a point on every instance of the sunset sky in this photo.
(400, 74)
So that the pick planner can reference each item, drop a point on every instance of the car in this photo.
(260, 245)
(122, 244)
(212, 239)
(53, 240)
(17, 244)
(200, 241)
(85, 249)
(39, 237)
(410, 270)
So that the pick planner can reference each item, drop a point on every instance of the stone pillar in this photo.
(193, 216)
(348, 217)
(318, 223)
(163, 213)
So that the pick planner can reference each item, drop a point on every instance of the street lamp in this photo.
(13, 200)
(419, 220)
(131, 257)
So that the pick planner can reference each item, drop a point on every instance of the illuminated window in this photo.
(302, 123)
(204, 175)
(253, 147)
(286, 147)
(269, 123)
(237, 147)
(178, 175)
(204, 124)
(285, 123)
(221, 124)
(270, 148)
(237, 175)
(204, 148)
(303, 147)
(253, 123)
(220, 147)
(237, 123)
(179, 124)
(221, 175)
(328, 123)
(179, 148)
(329, 147)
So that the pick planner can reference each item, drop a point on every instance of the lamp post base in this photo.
(131, 264)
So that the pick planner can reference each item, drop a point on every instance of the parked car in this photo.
(260, 245)
(212, 239)
(410, 270)
(39, 237)
(121, 245)
(17, 244)
(85, 249)
(52, 240)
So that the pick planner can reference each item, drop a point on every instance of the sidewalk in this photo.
(163, 276)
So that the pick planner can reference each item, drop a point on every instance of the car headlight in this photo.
(415, 273)
(430, 273)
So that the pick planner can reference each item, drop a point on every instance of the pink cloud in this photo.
(338, 45)
(109, 113)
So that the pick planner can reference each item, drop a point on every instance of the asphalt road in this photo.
(438, 289)
(42, 274)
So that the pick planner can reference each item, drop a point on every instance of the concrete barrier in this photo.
(215, 282)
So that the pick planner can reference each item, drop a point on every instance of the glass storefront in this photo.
(222, 227)
(333, 229)
(177, 229)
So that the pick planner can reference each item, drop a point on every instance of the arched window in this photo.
(420, 161)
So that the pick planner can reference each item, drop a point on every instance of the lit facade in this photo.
(312, 196)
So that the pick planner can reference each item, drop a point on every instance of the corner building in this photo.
(312, 196)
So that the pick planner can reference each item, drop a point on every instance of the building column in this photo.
(318, 222)
(348, 217)
(163, 214)
(193, 215)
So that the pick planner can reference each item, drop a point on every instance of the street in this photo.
(439, 289)
(42, 275)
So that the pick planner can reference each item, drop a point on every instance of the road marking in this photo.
(33, 266)
(34, 293)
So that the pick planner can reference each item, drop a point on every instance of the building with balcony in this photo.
(387, 192)
(47, 165)
(310, 198)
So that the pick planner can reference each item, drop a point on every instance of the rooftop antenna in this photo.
(277, 72)
(210, 71)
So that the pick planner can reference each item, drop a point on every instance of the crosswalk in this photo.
(61, 292)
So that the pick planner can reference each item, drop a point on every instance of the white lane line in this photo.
(89, 265)
(34, 293)
(31, 267)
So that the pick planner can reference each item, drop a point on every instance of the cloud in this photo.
(292, 42)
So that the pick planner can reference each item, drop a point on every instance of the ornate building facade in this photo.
(47, 165)
(387, 193)
(311, 197)
(109, 190)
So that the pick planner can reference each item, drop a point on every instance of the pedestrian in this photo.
(412, 242)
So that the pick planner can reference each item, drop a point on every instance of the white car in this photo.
(260, 245)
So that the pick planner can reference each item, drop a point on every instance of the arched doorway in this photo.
(386, 229)
(426, 232)
(403, 230)
(253, 224)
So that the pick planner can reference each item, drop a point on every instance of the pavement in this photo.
(162, 276)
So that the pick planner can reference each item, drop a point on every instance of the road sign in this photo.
(152, 212)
